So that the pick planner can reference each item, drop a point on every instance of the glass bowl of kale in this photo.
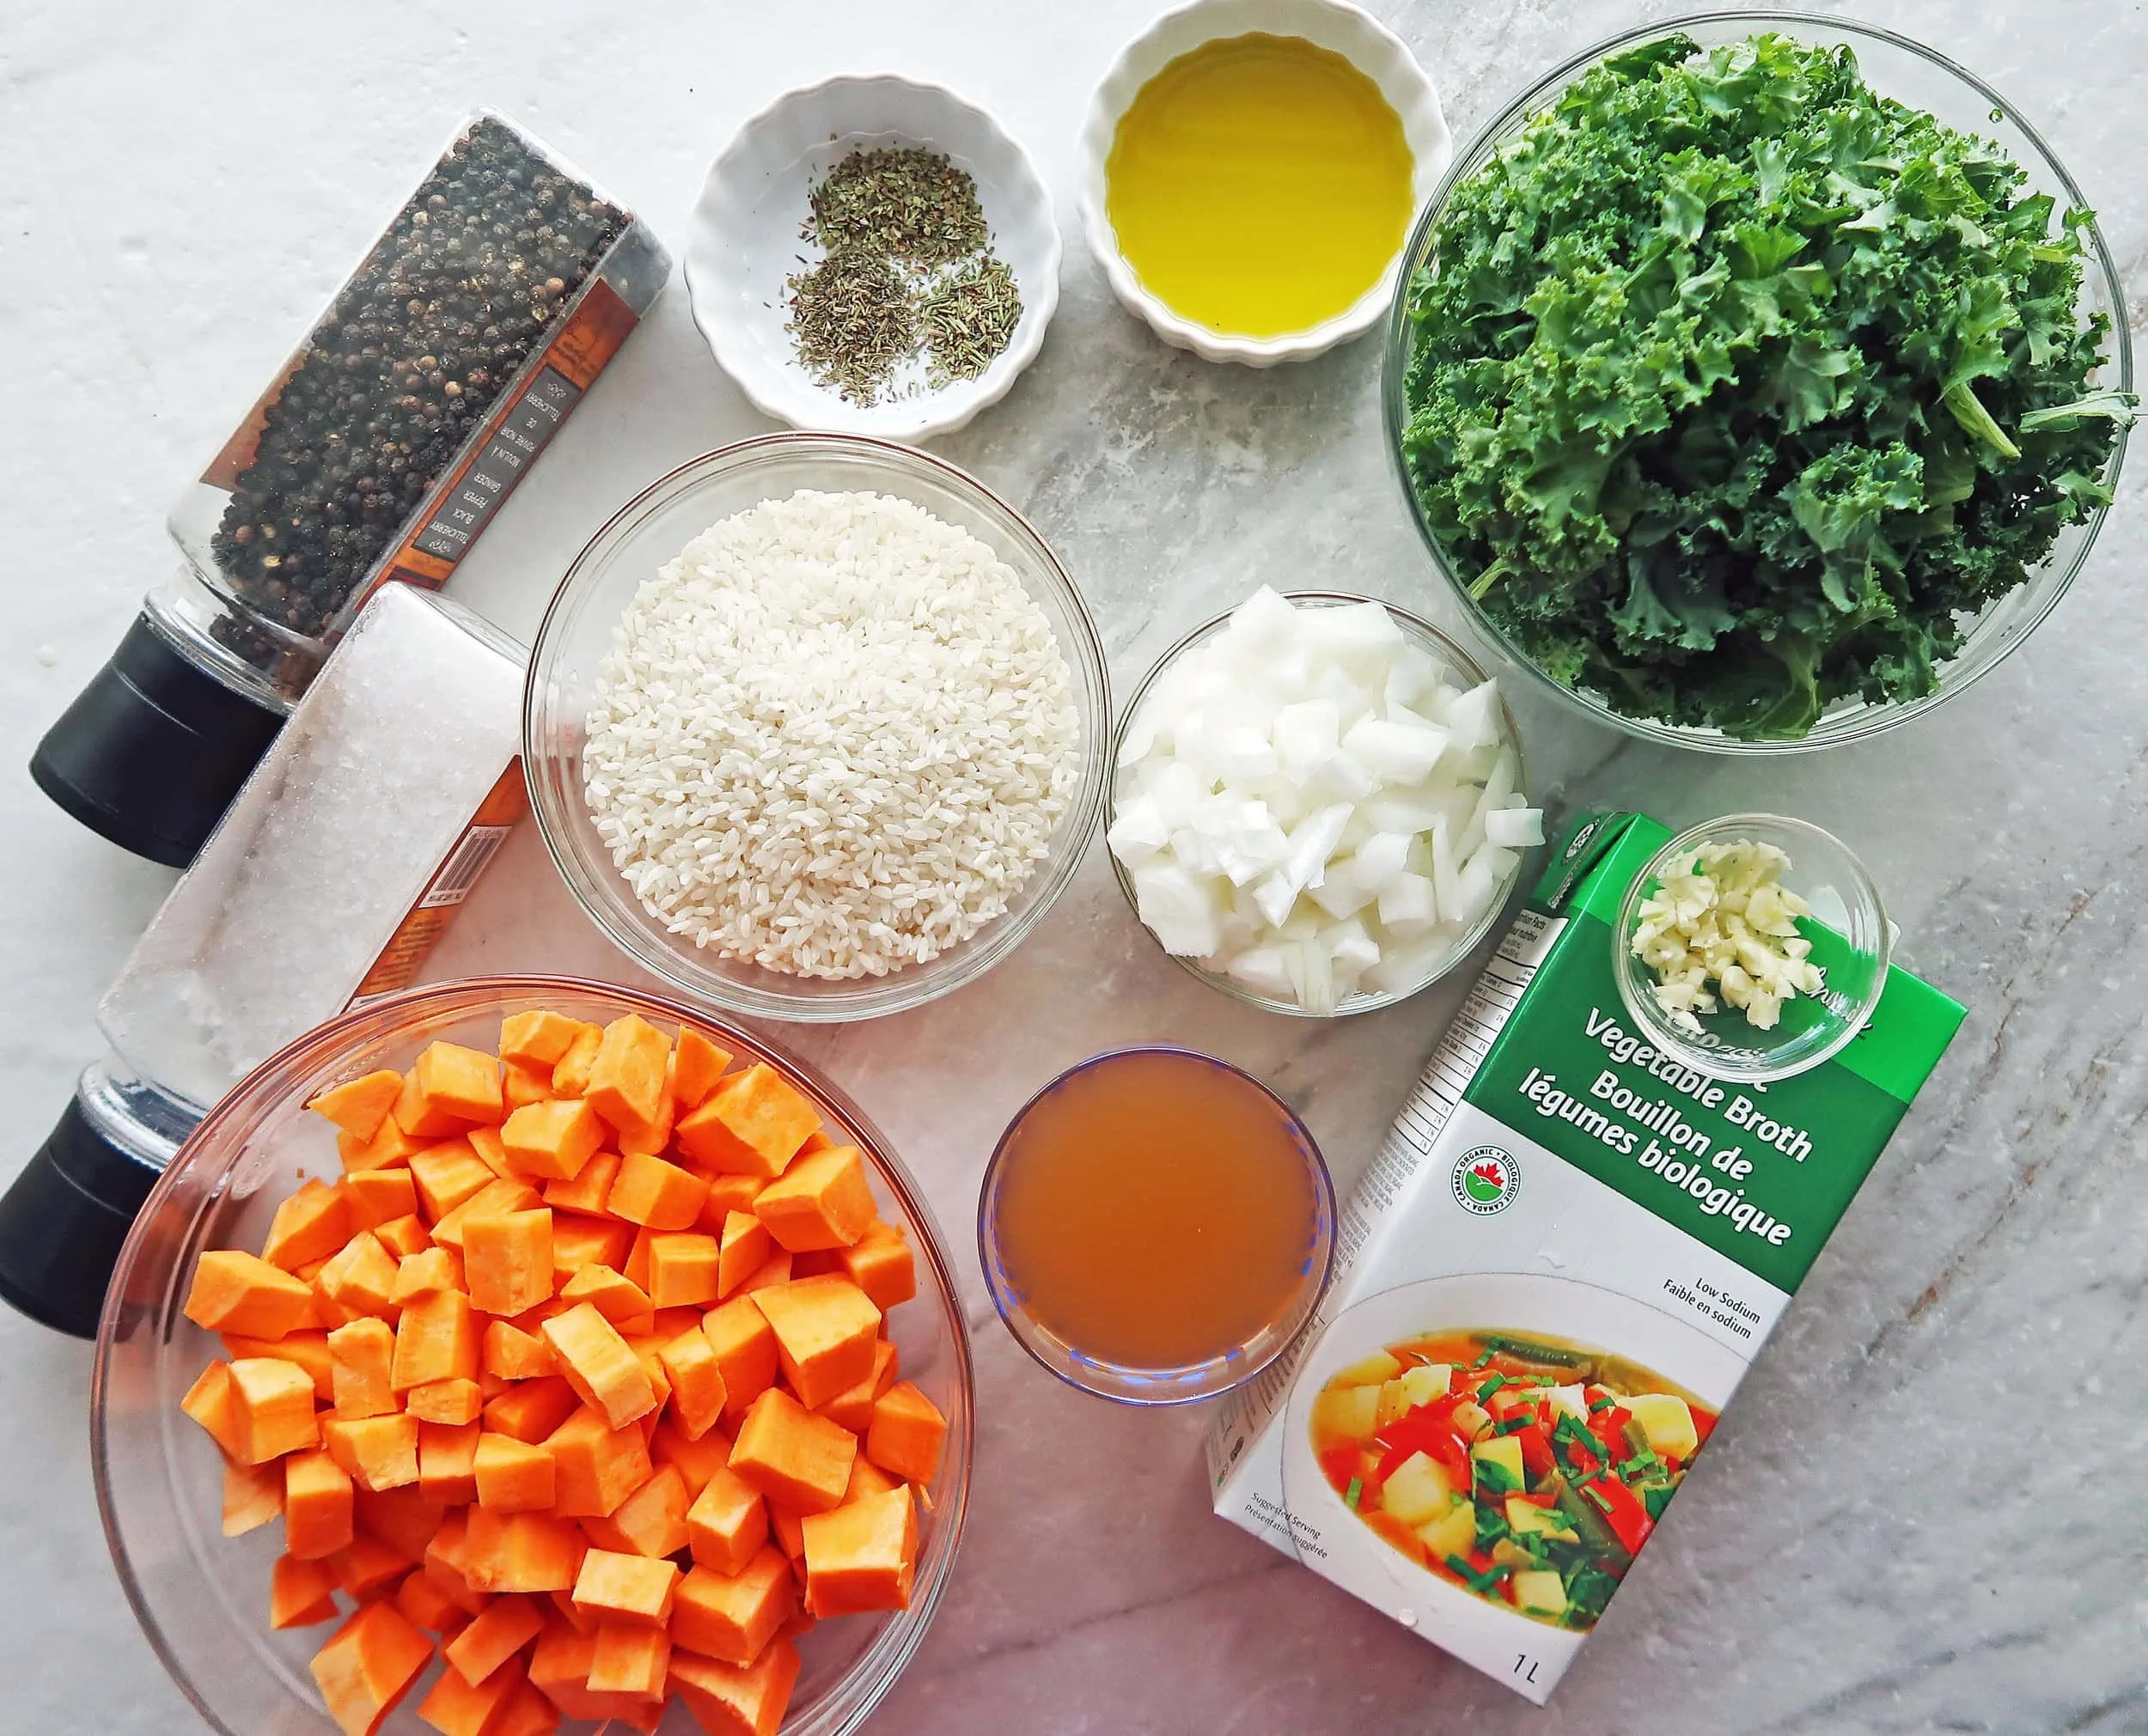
(1754, 381)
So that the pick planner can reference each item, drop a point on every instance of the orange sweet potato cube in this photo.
(513, 1475)
(368, 1666)
(491, 1151)
(376, 1196)
(560, 1666)
(553, 1139)
(307, 1347)
(457, 1707)
(728, 1194)
(753, 1123)
(696, 1460)
(571, 1073)
(733, 1616)
(523, 1082)
(613, 1586)
(697, 1063)
(906, 1434)
(635, 1270)
(630, 1658)
(652, 1521)
(361, 1356)
(379, 1451)
(868, 1478)
(404, 1236)
(508, 1260)
(360, 1278)
(778, 1267)
(436, 1339)
(853, 1406)
(514, 1354)
(429, 1268)
(447, 1463)
(825, 1330)
(796, 1458)
(447, 1088)
(727, 1700)
(861, 1556)
(595, 1362)
(520, 1551)
(597, 1467)
(317, 1506)
(698, 1392)
(727, 1524)
(502, 1629)
(613, 1294)
(358, 1106)
(657, 1194)
(454, 1401)
(537, 1037)
(499, 1197)
(628, 1083)
(447, 1174)
(881, 1265)
(590, 1188)
(366, 1566)
(745, 1245)
(309, 1225)
(579, 1241)
(682, 1269)
(302, 1593)
(745, 1347)
(426, 1604)
(389, 1146)
(252, 1495)
(271, 1408)
(237, 1292)
(531, 1410)
(401, 1517)
(824, 1200)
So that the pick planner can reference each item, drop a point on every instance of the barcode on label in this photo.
(461, 871)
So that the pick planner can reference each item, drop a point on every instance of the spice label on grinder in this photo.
(416, 936)
(1555, 1272)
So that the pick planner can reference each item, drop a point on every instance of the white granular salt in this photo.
(833, 737)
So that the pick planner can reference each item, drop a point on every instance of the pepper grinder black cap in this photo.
(154, 749)
(64, 1222)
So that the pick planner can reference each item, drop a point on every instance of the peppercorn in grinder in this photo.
(439, 371)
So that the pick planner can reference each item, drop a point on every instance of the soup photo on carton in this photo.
(1560, 1264)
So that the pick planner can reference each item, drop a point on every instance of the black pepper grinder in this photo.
(471, 327)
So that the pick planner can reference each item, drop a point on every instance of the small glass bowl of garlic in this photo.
(1318, 803)
(1752, 947)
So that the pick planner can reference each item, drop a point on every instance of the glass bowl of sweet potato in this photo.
(514, 1354)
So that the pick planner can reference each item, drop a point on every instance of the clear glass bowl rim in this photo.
(874, 1671)
(1666, 1036)
(1862, 721)
(1155, 1389)
(1464, 665)
(596, 886)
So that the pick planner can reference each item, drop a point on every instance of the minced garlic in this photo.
(1724, 919)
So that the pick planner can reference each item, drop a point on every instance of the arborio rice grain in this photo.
(833, 737)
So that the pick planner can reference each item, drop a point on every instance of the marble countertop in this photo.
(1920, 1514)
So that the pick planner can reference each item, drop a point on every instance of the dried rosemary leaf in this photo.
(852, 320)
(969, 318)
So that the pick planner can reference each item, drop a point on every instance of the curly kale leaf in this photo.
(1736, 390)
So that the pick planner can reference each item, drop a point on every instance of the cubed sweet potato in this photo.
(571, 1073)
(495, 1634)
(823, 1200)
(697, 1392)
(514, 1354)
(520, 1551)
(426, 1604)
(613, 1294)
(579, 1242)
(627, 1084)
(657, 1194)
(508, 1261)
(379, 1451)
(523, 1082)
(404, 1236)
(744, 1246)
(360, 1278)
(745, 1347)
(318, 1510)
(448, 1089)
(695, 1460)
(753, 1123)
(368, 1666)
(881, 1265)
(429, 1268)
(613, 1586)
(531, 1410)
(630, 1658)
(252, 1496)
(594, 1360)
(733, 1616)
(309, 1225)
(496, 1198)
(696, 1063)
(456, 1706)
(538, 1037)
(853, 1406)
(727, 1522)
(552, 1139)
(792, 1456)
(238, 1292)
(447, 1174)
(364, 1566)
(906, 1435)
(825, 1330)
(436, 1339)
(447, 1463)
(376, 1196)
(389, 1146)
(358, 1106)
(682, 1269)
(861, 1556)
(727, 1700)
(513, 1475)
(273, 1408)
(307, 1346)
(652, 1521)
(456, 1401)
(597, 1467)
(302, 1593)
(588, 1188)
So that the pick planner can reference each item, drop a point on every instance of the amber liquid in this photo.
(1155, 1210)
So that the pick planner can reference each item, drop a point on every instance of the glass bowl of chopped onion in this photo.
(1752, 947)
(814, 727)
(197, 1571)
(1634, 642)
(1438, 853)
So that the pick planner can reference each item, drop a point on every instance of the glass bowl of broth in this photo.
(1156, 1225)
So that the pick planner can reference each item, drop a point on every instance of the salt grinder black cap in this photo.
(63, 1222)
(154, 749)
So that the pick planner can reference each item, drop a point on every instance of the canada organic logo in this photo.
(1487, 1178)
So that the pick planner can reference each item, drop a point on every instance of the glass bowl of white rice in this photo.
(814, 727)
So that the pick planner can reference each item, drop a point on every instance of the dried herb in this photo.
(911, 204)
(907, 276)
(852, 320)
(969, 317)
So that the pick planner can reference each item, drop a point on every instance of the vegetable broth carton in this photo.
(1560, 1265)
